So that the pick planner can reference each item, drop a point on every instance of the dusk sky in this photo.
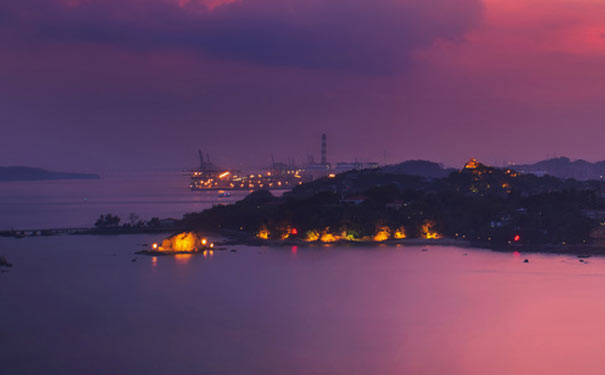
(97, 85)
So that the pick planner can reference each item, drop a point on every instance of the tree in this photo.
(133, 219)
(107, 221)
(154, 222)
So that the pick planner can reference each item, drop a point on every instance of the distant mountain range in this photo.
(35, 174)
(564, 168)
(422, 168)
(557, 167)
(561, 167)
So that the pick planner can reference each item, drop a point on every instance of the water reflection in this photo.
(344, 311)
(182, 258)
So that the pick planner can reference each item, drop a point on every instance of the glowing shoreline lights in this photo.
(326, 235)
(186, 242)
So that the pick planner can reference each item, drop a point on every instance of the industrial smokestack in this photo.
(324, 158)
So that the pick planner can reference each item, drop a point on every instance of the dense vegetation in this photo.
(478, 203)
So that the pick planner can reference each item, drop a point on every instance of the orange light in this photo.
(182, 242)
(428, 232)
(312, 236)
(263, 233)
(204, 241)
(154, 245)
(182, 258)
(382, 234)
(472, 164)
(399, 233)
(329, 237)
(224, 174)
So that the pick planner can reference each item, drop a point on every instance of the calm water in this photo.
(79, 305)
(75, 203)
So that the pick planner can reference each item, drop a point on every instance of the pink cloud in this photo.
(537, 50)
(441, 79)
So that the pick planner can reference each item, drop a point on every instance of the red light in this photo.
(294, 231)
(517, 238)
(294, 249)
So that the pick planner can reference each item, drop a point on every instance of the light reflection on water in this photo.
(70, 306)
(182, 258)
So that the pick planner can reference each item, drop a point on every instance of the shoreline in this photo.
(405, 241)
(238, 238)
(584, 250)
(24, 233)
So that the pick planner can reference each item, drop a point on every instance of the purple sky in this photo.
(125, 84)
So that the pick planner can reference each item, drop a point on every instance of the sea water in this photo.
(89, 305)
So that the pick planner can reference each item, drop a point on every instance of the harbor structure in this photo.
(278, 176)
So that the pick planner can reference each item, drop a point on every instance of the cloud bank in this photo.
(374, 37)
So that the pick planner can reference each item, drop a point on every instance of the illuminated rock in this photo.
(349, 235)
(382, 234)
(428, 231)
(399, 233)
(329, 237)
(183, 242)
(312, 236)
(263, 233)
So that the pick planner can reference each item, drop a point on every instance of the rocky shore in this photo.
(4, 262)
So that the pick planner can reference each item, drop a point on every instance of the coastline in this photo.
(238, 238)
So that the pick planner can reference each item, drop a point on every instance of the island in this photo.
(497, 208)
(18, 173)
(414, 203)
